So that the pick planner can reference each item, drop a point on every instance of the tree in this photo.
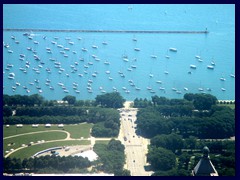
(110, 100)
(161, 159)
(172, 141)
(115, 145)
(70, 99)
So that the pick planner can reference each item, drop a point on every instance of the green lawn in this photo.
(232, 106)
(102, 142)
(26, 139)
(31, 150)
(76, 131)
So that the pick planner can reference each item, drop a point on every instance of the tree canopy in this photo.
(161, 159)
(110, 100)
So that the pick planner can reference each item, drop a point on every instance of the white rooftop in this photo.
(90, 154)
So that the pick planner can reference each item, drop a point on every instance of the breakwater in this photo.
(105, 31)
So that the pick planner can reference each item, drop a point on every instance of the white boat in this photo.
(174, 89)
(133, 66)
(193, 66)
(125, 59)
(84, 49)
(210, 67)
(66, 49)
(173, 49)
(168, 57)
(94, 46)
(232, 75)
(104, 43)
(153, 56)
(161, 88)
(70, 42)
(223, 89)
(137, 49)
(166, 72)
(152, 91)
(106, 62)
(10, 51)
(77, 91)
(200, 89)
(35, 42)
(185, 89)
(110, 78)
(10, 77)
(159, 82)
(179, 92)
(222, 79)
(107, 72)
(137, 88)
(150, 75)
(9, 65)
(149, 88)
(197, 57)
(11, 74)
(94, 75)
(60, 46)
(74, 52)
(134, 39)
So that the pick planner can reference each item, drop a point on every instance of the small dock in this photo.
(105, 31)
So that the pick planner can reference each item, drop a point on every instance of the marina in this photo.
(156, 57)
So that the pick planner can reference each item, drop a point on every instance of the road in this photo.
(135, 146)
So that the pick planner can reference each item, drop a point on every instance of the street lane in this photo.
(135, 146)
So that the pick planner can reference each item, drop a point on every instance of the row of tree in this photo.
(109, 100)
(216, 122)
(191, 101)
(56, 163)
(111, 158)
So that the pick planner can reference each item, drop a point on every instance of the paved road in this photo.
(135, 146)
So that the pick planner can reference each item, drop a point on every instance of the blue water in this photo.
(217, 46)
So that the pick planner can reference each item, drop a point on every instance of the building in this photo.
(205, 167)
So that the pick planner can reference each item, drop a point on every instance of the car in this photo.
(133, 136)
(125, 138)
(134, 161)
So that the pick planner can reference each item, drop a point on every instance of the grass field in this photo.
(232, 106)
(102, 142)
(26, 139)
(76, 131)
(29, 151)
